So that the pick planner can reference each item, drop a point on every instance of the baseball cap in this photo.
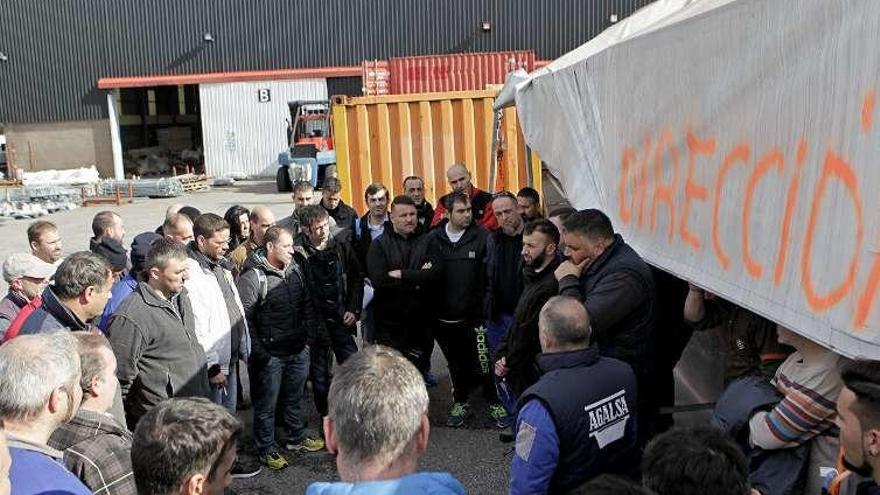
(20, 265)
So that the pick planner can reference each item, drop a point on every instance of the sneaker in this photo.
(499, 414)
(430, 379)
(307, 445)
(274, 460)
(460, 411)
(243, 468)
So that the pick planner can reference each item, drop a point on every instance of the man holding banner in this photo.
(617, 288)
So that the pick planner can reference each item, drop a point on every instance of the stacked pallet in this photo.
(193, 182)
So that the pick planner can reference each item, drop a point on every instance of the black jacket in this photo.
(279, 311)
(336, 281)
(52, 315)
(157, 351)
(460, 296)
(111, 250)
(504, 271)
(522, 345)
(361, 240)
(404, 303)
(426, 214)
(618, 291)
(343, 215)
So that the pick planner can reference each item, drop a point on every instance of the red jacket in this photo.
(15, 326)
(481, 203)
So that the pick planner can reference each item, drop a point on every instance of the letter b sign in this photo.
(264, 95)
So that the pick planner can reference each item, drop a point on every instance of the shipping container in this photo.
(456, 72)
(387, 138)
(376, 77)
(442, 73)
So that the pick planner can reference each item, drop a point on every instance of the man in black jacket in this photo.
(366, 229)
(515, 359)
(504, 268)
(617, 288)
(153, 336)
(278, 311)
(109, 233)
(336, 283)
(414, 187)
(331, 200)
(460, 330)
(404, 266)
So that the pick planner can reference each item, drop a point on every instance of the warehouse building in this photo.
(207, 83)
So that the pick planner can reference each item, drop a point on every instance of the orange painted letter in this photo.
(693, 190)
(737, 154)
(790, 203)
(663, 191)
(834, 167)
(773, 159)
(624, 209)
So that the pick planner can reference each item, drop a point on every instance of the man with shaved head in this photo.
(579, 420)
(178, 227)
(261, 218)
(481, 202)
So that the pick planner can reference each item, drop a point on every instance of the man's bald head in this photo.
(172, 210)
(563, 325)
(459, 178)
(178, 227)
(261, 219)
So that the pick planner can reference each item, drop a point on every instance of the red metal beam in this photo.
(222, 77)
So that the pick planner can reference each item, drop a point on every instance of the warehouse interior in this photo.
(160, 130)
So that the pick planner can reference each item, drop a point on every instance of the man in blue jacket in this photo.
(579, 420)
(41, 392)
(378, 428)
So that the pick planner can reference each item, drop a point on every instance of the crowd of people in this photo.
(121, 367)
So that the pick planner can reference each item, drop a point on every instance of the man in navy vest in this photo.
(579, 420)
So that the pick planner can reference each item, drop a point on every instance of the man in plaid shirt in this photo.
(97, 448)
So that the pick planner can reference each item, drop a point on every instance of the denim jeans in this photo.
(227, 396)
(276, 378)
(342, 346)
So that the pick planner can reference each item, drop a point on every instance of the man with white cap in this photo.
(27, 276)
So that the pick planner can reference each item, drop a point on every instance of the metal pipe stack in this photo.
(165, 187)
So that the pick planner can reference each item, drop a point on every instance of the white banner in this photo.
(737, 145)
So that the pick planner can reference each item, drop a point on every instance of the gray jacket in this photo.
(157, 351)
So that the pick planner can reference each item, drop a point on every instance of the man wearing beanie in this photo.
(140, 246)
(107, 242)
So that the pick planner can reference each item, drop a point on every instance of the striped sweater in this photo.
(808, 407)
(806, 412)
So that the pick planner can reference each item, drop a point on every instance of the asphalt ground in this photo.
(473, 454)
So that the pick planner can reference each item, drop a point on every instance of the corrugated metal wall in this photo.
(59, 49)
(459, 72)
(387, 138)
(241, 134)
